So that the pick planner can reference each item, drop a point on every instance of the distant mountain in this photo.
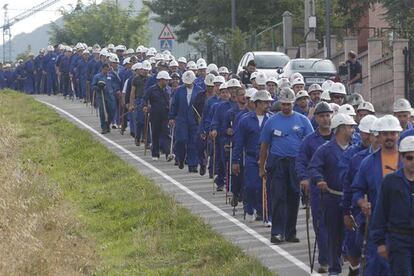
(39, 38)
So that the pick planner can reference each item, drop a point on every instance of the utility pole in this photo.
(328, 28)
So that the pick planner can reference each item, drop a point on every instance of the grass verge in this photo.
(136, 228)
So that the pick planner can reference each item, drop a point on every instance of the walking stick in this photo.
(171, 156)
(364, 243)
(264, 201)
(146, 120)
(307, 228)
(317, 229)
(214, 163)
(104, 107)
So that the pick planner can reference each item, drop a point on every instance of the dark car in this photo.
(313, 70)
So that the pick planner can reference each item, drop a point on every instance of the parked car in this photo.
(266, 61)
(313, 70)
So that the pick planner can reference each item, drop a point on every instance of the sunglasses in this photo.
(409, 157)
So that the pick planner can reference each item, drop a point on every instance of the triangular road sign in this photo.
(166, 33)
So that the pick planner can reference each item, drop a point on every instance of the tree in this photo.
(400, 13)
(102, 24)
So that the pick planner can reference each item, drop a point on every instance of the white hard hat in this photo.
(314, 87)
(223, 70)
(287, 95)
(103, 52)
(402, 105)
(201, 65)
(301, 94)
(140, 49)
(85, 52)
(153, 49)
(182, 60)
(325, 96)
(337, 88)
(166, 52)
(146, 65)
(366, 123)
(233, 83)
(68, 49)
(366, 106)
(126, 60)
(272, 79)
(209, 80)
(342, 119)
(262, 95)
(253, 75)
(50, 48)
(192, 66)
(173, 63)
(283, 82)
(212, 67)
(388, 123)
(158, 57)
(150, 53)
(152, 60)
(295, 75)
(219, 79)
(326, 85)
(334, 107)
(96, 51)
(188, 77)
(297, 81)
(163, 75)
(113, 58)
(111, 46)
(136, 66)
(201, 60)
(250, 92)
(407, 144)
(223, 86)
(261, 78)
(129, 51)
(120, 48)
(347, 109)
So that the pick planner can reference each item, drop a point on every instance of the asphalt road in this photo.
(195, 193)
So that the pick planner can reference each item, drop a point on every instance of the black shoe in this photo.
(293, 239)
(234, 202)
(137, 143)
(202, 170)
(220, 188)
(176, 163)
(192, 170)
(180, 165)
(276, 239)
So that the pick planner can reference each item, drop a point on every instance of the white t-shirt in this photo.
(189, 93)
(261, 118)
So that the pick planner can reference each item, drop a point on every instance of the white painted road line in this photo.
(197, 197)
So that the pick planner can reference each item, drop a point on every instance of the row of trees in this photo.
(102, 23)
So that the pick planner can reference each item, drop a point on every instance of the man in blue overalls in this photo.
(183, 116)
(324, 172)
(82, 72)
(247, 140)
(159, 100)
(281, 136)
(402, 110)
(392, 228)
(218, 129)
(102, 83)
(348, 167)
(368, 182)
(29, 83)
(310, 144)
(49, 70)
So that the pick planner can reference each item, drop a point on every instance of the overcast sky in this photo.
(27, 25)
